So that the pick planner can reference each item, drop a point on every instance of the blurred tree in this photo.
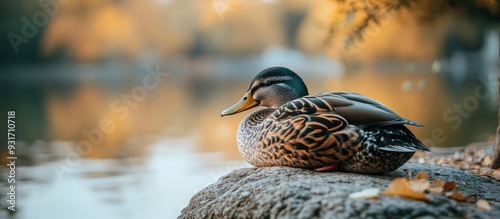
(102, 29)
(238, 31)
(367, 29)
(20, 36)
(353, 18)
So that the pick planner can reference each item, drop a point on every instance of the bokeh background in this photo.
(118, 101)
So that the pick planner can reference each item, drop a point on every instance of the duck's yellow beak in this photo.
(247, 102)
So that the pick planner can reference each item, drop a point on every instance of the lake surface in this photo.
(157, 187)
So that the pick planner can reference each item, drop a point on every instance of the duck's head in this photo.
(272, 87)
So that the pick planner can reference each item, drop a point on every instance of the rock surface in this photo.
(283, 192)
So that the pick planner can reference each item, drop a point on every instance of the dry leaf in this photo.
(435, 190)
(437, 183)
(486, 161)
(485, 171)
(422, 175)
(457, 196)
(419, 185)
(436, 187)
(496, 174)
(365, 194)
(401, 187)
(450, 185)
(483, 204)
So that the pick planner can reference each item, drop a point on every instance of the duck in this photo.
(331, 131)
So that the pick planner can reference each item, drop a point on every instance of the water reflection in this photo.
(156, 186)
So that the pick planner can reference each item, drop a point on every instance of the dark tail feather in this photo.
(396, 138)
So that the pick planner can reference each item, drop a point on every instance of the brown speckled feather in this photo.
(347, 129)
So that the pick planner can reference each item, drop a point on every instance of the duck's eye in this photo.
(245, 98)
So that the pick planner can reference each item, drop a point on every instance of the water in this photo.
(158, 187)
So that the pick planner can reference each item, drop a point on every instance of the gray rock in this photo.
(283, 192)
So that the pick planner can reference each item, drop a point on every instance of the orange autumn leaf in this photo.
(435, 190)
(422, 175)
(438, 183)
(419, 185)
(401, 187)
(436, 187)
(486, 161)
(457, 196)
(449, 185)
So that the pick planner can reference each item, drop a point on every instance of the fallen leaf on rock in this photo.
(473, 158)
(486, 161)
(419, 185)
(365, 194)
(422, 175)
(496, 174)
(438, 183)
(483, 204)
(436, 187)
(457, 196)
(450, 185)
(435, 190)
(401, 187)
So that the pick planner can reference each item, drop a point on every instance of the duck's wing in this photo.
(339, 109)
(355, 108)
(309, 128)
(323, 138)
(361, 110)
